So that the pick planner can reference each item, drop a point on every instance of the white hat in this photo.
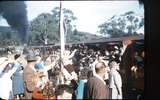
(116, 47)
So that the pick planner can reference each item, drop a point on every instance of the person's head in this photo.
(114, 65)
(31, 58)
(39, 59)
(90, 74)
(107, 53)
(116, 52)
(116, 47)
(91, 60)
(64, 91)
(100, 68)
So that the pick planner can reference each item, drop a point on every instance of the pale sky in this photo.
(90, 14)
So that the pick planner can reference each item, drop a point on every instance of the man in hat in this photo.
(28, 75)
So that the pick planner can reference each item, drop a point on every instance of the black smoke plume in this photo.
(141, 2)
(16, 15)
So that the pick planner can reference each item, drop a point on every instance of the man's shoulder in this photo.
(93, 79)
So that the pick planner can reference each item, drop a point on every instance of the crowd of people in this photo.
(82, 72)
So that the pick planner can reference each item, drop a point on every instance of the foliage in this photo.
(123, 25)
(9, 38)
(46, 27)
(42, 29)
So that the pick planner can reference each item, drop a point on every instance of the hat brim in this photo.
(31, 60)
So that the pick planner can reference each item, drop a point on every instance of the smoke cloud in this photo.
(16, 15)
(141, 2)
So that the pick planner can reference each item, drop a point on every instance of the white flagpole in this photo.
(62, 38)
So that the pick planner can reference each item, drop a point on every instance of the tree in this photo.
(112, 28)
(123, 25)
(42, 29)
(9, 38)
(46, 27)
(68, 19)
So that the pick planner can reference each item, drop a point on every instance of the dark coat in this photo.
(96, 89)
(28, 75)
(127, 60)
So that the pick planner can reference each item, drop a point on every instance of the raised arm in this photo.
(72, 54)
(50, 66)
(15, 67)
(4, 64)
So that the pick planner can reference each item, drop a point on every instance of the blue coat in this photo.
(80, 90)
(17, 82)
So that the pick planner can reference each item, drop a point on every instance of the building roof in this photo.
(108, 40)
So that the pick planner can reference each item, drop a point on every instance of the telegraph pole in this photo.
(62, 40)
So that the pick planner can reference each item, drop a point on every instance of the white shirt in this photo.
(6, 83)
(2, 66)
(2, 59)
(115, 79)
